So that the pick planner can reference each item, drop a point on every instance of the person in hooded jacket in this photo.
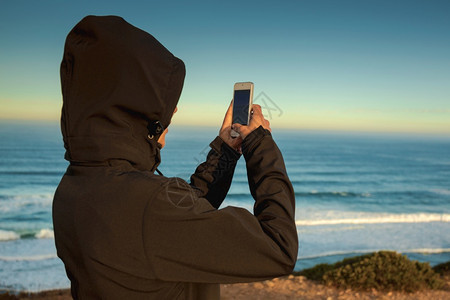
(124, 232)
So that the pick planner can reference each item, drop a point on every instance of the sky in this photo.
(376, 66)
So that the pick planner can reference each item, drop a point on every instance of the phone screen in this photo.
(240, 106)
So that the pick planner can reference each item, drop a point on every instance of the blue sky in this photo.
(346, 65)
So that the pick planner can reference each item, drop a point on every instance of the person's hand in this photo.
(256, 119)
(225, 131)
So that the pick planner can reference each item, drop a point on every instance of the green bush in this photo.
(315, 273)
(7, 296)
(443, 269)
(384, 270)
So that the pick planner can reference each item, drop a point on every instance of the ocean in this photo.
(355, 193)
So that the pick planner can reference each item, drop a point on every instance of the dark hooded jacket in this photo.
(124, 232)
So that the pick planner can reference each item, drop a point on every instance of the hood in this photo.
(117, 81)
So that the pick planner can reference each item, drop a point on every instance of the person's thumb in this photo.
(236, 127)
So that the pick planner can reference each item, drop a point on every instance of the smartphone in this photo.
(242, 104)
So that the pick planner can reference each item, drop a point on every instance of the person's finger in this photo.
(257, 109)
(228, 116)
(236, 127)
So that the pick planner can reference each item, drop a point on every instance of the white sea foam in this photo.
(379, 219)
(19, 202)
(45, 234)
(11, 235)
(8, 235)
(441, 191)
(28, 258)
(427, 250)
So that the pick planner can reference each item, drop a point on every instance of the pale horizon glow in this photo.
(348, 65)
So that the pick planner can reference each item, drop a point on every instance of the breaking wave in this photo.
(7, 235)
(28, 258)
(379, 219)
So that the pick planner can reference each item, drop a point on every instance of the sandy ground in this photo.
(299, 287)
(292, 287)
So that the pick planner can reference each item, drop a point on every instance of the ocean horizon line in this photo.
(281, 129)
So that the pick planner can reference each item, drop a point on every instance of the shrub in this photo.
(315, 273)
(384, 270)
(7, 296)
(443, 269)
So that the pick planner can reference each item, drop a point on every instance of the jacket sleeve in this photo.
(212, 178)
(187, 239)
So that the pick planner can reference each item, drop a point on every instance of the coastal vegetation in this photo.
(377, 275)
(383, 270)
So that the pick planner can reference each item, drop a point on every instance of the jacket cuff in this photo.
(253, 139)
(223, 148)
